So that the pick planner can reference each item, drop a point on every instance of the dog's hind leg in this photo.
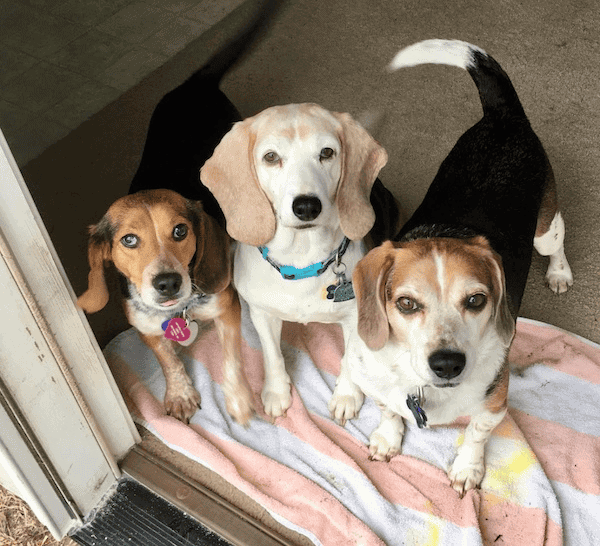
(549, 239)
(237, 392)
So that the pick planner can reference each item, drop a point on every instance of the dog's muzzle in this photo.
(447, 364)
(307, 207)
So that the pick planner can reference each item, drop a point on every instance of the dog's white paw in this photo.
(559, 280)
(466, 475)
(382, 447)
(276, 401)
(182, 402)
(238, 399)
(559, 276)
(345, 403)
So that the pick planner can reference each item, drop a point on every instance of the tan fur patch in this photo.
(497, 399)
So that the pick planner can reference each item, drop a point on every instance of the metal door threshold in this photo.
(154, 505)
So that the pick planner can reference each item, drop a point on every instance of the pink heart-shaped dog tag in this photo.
(177, 330)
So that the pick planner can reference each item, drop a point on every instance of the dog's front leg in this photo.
(468, 468)
(386, 440)
(238, 396)
(276, 393)
(181, 398)
(347, 397)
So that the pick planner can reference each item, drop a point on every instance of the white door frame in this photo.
(63, 423)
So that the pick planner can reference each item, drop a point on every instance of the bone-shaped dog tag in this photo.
(340, 292)
(343, 292)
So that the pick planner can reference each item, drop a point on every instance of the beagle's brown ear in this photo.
(362, 159)
(230, 175)
(211, 270)
(96, 296)
(369, 281)
(503, 318)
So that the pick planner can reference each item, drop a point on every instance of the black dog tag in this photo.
(413, 403)
(342, 291)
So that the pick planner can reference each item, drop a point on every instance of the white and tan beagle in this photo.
(295, 184)
(175, 261)
(437, 307)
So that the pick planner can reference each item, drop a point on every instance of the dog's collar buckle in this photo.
(414, 401)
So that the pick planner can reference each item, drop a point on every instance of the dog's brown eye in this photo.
(476, 302)
(407, 305)
(180, 232)
(130, 240)
(326, 153)
(271, 157)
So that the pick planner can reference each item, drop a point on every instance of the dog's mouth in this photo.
(168, 303)
(445, 385)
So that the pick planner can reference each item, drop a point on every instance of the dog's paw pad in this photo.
(463, 478)
(382, 448)
(182, 405)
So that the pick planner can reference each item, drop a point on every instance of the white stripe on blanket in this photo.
(543, 461)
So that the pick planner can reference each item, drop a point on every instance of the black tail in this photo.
(498, 96)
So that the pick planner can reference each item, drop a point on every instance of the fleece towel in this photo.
(541, 487)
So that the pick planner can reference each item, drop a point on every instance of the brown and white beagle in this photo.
(437, 307)
(175, 262)
(299, 190)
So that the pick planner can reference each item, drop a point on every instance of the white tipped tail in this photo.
(447, 52)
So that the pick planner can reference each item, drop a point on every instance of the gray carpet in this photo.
(334, 53)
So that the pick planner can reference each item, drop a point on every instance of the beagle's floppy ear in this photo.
(95, 297)
(369, 280)
(230, 175)
(362, 159)
(504, 320)
(211, 270)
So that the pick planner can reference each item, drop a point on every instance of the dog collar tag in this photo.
(180, 330)
(343, 291)
(413, 403)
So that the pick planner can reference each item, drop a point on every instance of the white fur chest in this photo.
(150, 320)
(301, 300)
(388, 377)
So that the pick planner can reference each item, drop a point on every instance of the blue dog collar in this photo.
(289, 272)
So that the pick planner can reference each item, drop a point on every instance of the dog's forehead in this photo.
(295, 121)
(155, 211)
(441, 264)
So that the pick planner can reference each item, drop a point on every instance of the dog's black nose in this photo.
(306, 207)
(167, 284)
(446, 363)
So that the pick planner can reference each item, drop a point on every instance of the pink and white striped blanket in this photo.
(542, 485)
